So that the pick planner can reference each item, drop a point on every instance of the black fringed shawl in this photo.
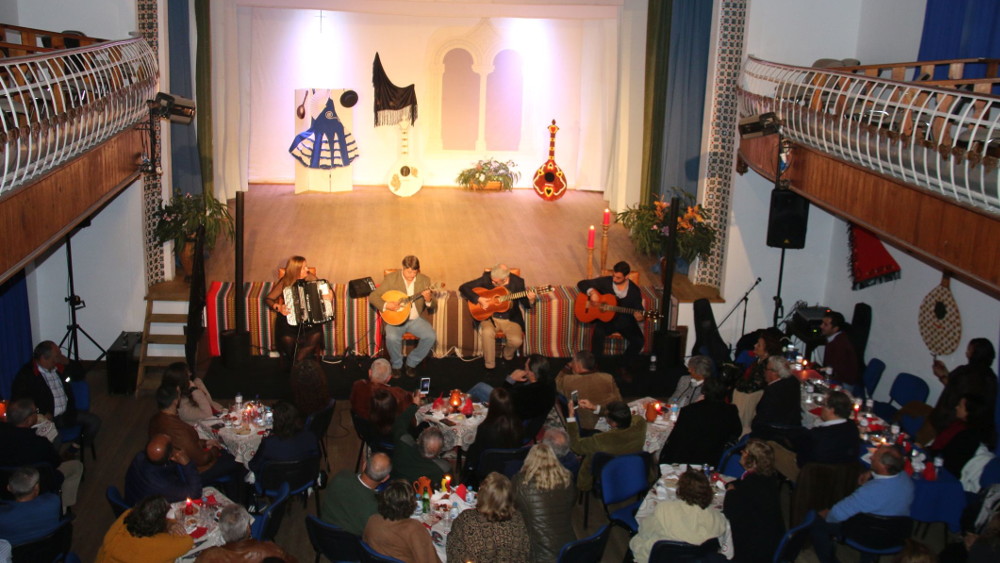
(392, 103)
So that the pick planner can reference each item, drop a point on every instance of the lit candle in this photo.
(590, 237)
(188, 509)
(447, 483)
(607, 217)
(659, 407)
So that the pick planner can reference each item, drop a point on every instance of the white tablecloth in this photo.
(207, 517)
(437, 525)
(657, 432)
(666, 490)
(462, 433)
(242, 442)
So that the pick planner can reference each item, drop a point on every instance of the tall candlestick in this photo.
(607, 217)
(604, 247)
(590, 238)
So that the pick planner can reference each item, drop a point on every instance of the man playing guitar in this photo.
(511, 322)
(626, 324)
(411, 282)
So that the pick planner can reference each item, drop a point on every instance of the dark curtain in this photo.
(185, 163)
(677, 41)
(961, 29)
(15, 330)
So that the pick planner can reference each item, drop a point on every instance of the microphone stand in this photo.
(743, 301)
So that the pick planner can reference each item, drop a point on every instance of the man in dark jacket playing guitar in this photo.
(498, 310)
(626, 324)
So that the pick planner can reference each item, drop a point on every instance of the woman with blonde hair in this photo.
(752, 505)
(544, 494)
(494, 531)
(295, 343)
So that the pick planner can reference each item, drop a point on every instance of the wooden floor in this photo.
(455, 233)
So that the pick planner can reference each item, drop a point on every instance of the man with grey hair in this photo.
(20, 445)
(414, 459)
(349, 500)
(488, 292)
(779, 412)
(32, 515)
(379, 375)
(234, 524)
(689, 387)
(558, 440)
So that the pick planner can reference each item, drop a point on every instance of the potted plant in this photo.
(648, 229)
(489, 173)
(178, 220)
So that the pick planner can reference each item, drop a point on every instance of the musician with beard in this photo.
(510, 322)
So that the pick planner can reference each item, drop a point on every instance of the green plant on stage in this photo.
(648, 228)
(489, 170)
(180, 218)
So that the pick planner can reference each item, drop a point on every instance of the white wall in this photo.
(798, 32)
(107, 19)
(8, 12)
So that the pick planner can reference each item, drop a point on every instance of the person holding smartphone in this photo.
(598, 389)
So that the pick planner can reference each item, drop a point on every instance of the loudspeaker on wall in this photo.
(788, 219)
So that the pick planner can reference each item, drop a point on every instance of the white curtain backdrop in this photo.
(261, 55)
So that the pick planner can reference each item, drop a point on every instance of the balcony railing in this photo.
(943, 137)
(55, 106)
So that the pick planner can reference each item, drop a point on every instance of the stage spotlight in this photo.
(175, 108)
(759, 125)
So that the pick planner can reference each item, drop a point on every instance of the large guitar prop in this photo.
(550, 182)
(404, 177)
(587, 311)
(500, 300)
(401, 315)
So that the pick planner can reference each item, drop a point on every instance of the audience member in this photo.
(494, 530)
(531, 390)
(414, 459)
(840, 355)
(985, 548)
(545, 496)
(687, 519)
(971, 427)
(689, 387)
(779, 412)
(161, 470)
(627, 435)
(835, 439)
(349, 498)
(310, 391)
(752, 506)
(748, 389)
(703, 428)
(885, 491)
(391, 531)
(916, 552)
(43, 381)
(597, 387)
(558, 440)
(975, 377)
(196, 402)
(501, 429)
(379, 375)
(33, 515)
(289, 440)
(234, 523)
(213, 463)
(145, 533)
(383, 410)
(20, 445)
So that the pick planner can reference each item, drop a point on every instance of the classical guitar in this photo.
(500, 300)
(404, 176)
(587, 311)
(549, 181)
(401, 315)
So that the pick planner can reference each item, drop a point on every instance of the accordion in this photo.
(306, 305)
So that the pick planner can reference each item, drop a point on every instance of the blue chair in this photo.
(624, 477)
(81, 400)
(319, 422)
(366, 433)
(906, 388)
(266, 525)
(794, 540)
(587, 550)
(333, 542)
(117, 502)
(502, 460)
(666, 550)
(298, 474)
(871, 376)
(729, 463)
(875, 536)
(52, 547)
(369, 555)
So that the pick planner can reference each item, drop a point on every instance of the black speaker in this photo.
(123, 363)
(788, 219)
(235, 348)
(361, 287)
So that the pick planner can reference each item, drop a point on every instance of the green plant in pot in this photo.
(178, 220)
(479, 175)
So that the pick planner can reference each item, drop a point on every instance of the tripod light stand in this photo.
(74, 330)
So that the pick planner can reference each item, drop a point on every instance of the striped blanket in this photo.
(550, 328)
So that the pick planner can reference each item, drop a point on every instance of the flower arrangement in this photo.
(648, 229)
(180, 218)
(489, 170)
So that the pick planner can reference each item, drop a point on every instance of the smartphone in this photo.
(425, 385)
(575, 397)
